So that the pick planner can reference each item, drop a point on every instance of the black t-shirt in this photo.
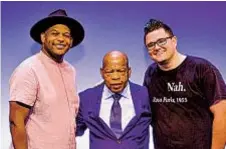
(180, 101)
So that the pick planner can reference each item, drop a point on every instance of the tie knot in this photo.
(116, 96)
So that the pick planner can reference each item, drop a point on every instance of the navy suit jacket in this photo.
(136, 133)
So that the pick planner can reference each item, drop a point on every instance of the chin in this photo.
(116, 91)
(60, 53)
(160, 59)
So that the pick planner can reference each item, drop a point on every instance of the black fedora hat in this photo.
(58, 17)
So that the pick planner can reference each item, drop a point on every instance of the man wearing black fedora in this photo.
(43, 95)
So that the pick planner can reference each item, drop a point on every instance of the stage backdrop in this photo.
(199, 26)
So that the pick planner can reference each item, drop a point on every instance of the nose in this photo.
(115, 76)
(155, 48)
(60, 38)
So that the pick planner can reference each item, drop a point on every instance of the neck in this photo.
(173, 62)
(56, 58)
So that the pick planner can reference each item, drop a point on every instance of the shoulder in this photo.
(141, 91)
(200, 64)
(199, 61)
(86, 92)
(69, 66)
(28, 62)
(134, 86)
(91, 91)
(26, 67)
(151, 69)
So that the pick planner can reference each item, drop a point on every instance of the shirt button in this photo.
(118, 141)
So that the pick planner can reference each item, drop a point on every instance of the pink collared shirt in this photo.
(48, 87)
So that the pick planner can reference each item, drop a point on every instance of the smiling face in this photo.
(161, 46)
(115, 71)
(56, 41)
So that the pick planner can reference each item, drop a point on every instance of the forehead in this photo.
(156, 34)
(115, 62)
(59, 27)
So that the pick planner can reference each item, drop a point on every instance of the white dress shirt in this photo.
(126, 103)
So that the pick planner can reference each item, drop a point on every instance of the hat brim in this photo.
(77, 31)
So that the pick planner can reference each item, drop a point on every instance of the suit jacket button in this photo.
(118, 141)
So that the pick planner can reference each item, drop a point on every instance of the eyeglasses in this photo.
(160, 42)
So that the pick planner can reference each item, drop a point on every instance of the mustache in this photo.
(155, 51)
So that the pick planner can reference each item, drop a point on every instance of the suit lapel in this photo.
(136, 98)
(97, 94)
(95, 111)
(137, 106)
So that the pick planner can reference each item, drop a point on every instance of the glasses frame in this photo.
(153, 44)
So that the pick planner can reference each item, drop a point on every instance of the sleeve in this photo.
(80, 123)
(148, 104)
(214, 85)
(77, 100)
(23, 85)
(145, 82)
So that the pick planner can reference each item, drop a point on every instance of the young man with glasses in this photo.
(187, 94)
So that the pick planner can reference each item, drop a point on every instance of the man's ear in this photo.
(71, 43)
(175, 41)
(43, 37)
(101, 72)
(129, 72)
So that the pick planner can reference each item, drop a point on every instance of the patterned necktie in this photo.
(115, 117)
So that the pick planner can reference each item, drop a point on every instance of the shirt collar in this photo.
(107, 93)
(48, 59)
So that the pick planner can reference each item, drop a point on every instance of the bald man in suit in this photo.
(117, 111)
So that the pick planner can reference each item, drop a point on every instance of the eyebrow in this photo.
(157, 40)
(124, 67)
(67, 32)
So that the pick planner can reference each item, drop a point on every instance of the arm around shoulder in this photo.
(80, 122)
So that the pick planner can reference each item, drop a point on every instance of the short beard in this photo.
(57, 58)
(164, 62)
